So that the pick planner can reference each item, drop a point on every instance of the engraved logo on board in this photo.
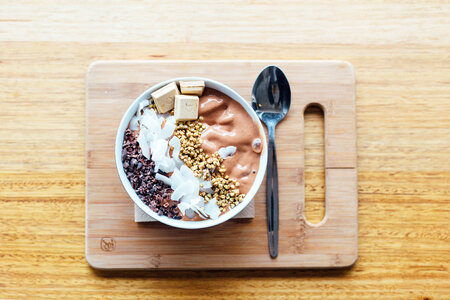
(155, 260)
(107, 244)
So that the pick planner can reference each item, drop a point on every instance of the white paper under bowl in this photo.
(180, 223)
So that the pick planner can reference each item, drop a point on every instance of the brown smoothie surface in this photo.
(229, 124)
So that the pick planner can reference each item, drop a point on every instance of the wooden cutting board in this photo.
(115, 241)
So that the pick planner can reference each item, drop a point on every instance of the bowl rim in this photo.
(179, 223)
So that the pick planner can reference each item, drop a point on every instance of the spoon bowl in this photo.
(271, 95)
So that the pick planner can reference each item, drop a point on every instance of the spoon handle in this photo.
(272, 195)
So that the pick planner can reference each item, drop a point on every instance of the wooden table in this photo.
(401, 57)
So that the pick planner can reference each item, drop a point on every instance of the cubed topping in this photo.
(186, 107)
(164, 98)
(192, 87)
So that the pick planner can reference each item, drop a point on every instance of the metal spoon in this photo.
(271, 99)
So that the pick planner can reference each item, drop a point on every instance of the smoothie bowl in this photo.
(191, 152)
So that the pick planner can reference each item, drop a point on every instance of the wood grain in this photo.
(400, 54)
(232, 245)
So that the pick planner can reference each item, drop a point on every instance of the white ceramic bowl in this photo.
(180, 223)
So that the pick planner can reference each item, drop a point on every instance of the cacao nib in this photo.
(140, 173)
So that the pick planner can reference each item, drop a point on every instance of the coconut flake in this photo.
(198, 206)
(175, 143)
(190, 198)
(171, 120)
(163, 178)
(151, 138)
(141, 106)
(159, 149)
(184, 189)
(207, 187)
(161, 118)
(187, 173)
(207, 190)
(196, 184)
(183, 207)
(190, 213)
(212, 209)
(142, 140)
(134, 123)
(206, 184)
(176, 179)
(225, 152)
(167, 131)
(167, 165)
(151, 121)
(198, 202)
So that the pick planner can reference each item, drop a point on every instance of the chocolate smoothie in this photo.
(228, 124)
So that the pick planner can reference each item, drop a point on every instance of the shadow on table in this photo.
(162, 274)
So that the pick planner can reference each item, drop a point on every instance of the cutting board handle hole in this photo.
(314, 168)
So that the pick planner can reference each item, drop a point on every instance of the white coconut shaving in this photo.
(134, 123)
(183, 190)
(168, 129)
(171, 119)
(183, 206)
(163, 178)
(225, 152)
(206, 186)
(187, 173)
(190, 213)
(195, 206)
(211, 209)
(176, 178)
(142, 140)
(186, 190)
(141, 106)
(166, 165)
(156, 138)
(150, 120)
(159, 149)
(175, 143)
